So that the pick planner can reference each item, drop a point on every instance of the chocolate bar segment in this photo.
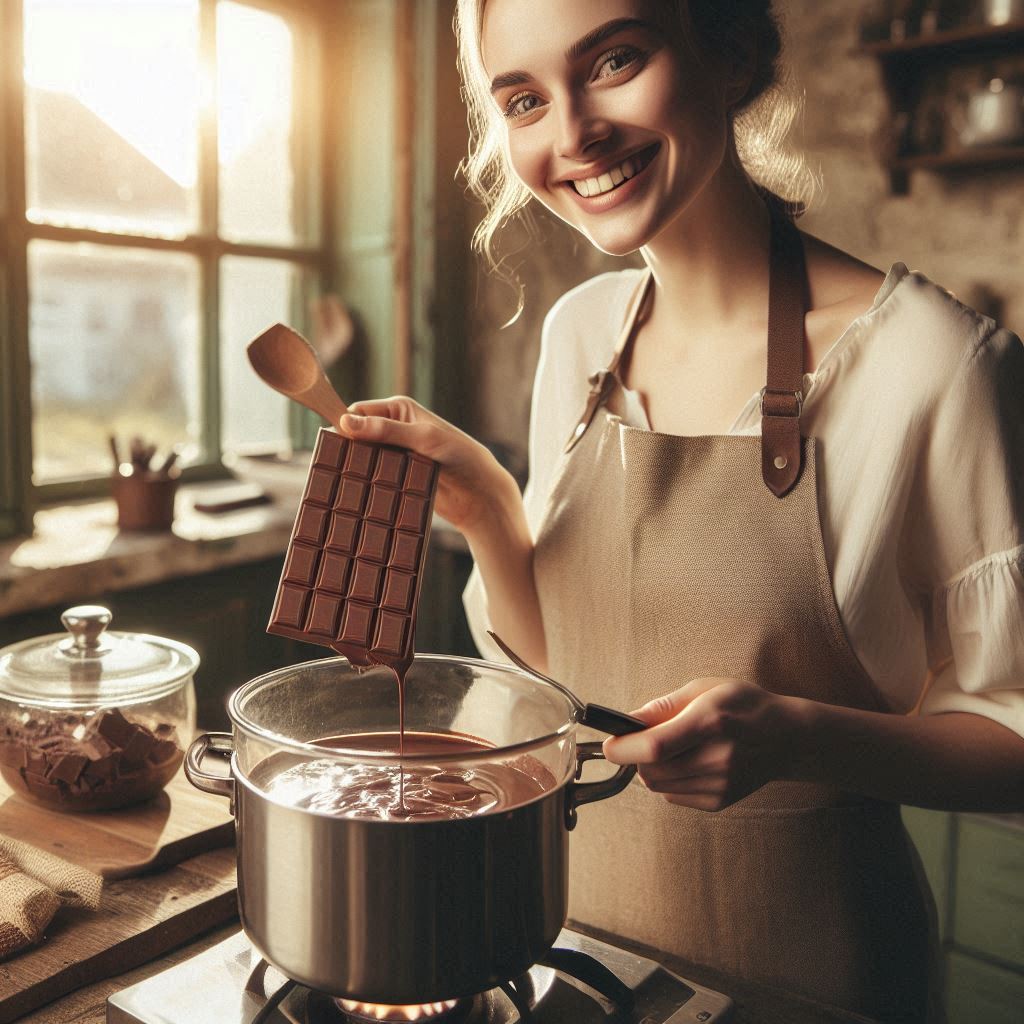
(352, 573)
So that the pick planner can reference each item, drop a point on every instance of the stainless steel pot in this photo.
(401, 911)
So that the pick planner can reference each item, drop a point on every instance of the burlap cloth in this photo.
(34, 885)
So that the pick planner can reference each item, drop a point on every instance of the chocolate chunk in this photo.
(106, 768)
(94, 748)
(66, 768)
(115, 728)
(76, 762)
(163, 751)
(352, 572)
(39, 786)
(13, 754)
(137, 749)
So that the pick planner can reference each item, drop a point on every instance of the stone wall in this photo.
(965, 231)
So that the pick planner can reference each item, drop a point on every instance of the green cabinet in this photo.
(981, 993)
(975, 865)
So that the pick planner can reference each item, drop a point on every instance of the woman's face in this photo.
(609, 123)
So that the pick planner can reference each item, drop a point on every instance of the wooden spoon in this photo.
(288, 363)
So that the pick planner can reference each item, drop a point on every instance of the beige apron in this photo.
(662, 558)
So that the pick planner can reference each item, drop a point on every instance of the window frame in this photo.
(18, 493)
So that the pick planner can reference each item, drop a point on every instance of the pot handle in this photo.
(577, 793)
(616, 723)
(221, 744)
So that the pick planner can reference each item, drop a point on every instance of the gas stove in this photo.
(581, 981)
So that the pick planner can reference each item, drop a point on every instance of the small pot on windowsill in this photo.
(145, 501)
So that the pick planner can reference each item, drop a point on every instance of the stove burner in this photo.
(439, 1011)
(595, 983)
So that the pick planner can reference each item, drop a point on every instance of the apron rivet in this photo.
(781, 462)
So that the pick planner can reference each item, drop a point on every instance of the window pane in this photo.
(112, 114)
(114, 344)
(255, 293)
(258, 129)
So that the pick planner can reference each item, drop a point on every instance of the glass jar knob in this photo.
(85, 623)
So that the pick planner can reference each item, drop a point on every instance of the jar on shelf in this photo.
(94, 719)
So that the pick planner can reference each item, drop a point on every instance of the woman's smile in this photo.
(601, 190)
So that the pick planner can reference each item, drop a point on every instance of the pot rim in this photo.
(366, 756)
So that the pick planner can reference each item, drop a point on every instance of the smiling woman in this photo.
(610, 54)
(775, 504)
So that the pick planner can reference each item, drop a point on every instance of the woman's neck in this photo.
(710, 264)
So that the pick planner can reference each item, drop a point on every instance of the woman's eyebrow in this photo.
(580, 47)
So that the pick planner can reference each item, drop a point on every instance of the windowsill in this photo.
(77, 550)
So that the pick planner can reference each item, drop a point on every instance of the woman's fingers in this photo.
(425, 438)
(397, 407)
(667, 706)
(708, 759)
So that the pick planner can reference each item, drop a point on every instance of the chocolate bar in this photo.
(352, 572)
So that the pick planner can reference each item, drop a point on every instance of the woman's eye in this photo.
(617, 61)
(521, 104)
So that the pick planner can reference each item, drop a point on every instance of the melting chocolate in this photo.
(408, 791)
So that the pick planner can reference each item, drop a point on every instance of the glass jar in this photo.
(92, 720)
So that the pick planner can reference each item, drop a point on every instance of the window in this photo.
(161, 203)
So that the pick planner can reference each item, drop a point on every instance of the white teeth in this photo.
(588, 187)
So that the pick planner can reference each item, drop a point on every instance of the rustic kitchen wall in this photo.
(965, 231)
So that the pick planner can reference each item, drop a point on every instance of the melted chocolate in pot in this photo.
(397, 792)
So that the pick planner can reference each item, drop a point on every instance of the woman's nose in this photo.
(579, 130)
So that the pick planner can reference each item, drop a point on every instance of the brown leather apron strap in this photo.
(602, 381)
(782, 398)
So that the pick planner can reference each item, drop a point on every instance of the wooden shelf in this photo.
(964, 39)
(908, 65)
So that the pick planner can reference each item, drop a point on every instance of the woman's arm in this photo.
(955, 761)
(502, 548)
(716, 740)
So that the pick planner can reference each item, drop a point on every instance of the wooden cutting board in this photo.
(138, 920)
(180, 823)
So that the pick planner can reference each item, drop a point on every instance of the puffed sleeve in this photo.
(964, 547)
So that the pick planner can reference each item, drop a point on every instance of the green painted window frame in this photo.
(382, 62)
(18, 494)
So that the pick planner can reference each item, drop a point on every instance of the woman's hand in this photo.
(710, 743)
(471, 478)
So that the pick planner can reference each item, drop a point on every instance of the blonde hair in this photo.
(747, 30)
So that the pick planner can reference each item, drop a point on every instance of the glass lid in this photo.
(88, 666)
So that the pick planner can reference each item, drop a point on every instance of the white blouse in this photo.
(918, 409)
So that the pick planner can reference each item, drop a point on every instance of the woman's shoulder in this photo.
(581, 328)
(928, 334)
(596, 306)
(919, 332)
